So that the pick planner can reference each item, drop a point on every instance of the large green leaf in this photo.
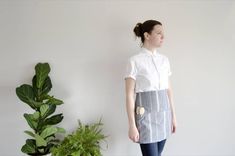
(51, 110)
(35, 115)
(29, 147)
(40, 141)
(46, 86)
(54, 119)
(30, 133)
(42, 71)
(54, 101)
(34, 85)
(31, 120)
(48, 131)
(26, 94)
(47, 110)
(36, 104)
(43, 109)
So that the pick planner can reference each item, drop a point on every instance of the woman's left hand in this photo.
(174, 125)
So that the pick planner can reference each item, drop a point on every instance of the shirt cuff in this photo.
(130, 76)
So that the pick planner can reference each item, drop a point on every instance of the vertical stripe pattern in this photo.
(155, 124)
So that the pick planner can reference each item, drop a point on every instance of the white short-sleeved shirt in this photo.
(150, 70)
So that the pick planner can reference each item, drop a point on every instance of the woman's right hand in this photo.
(133, 133)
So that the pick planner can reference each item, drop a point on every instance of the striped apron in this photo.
(153, 116)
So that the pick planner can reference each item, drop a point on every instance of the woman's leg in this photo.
(150, 149)
(160, 146)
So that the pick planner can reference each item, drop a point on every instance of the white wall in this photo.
(87, 44)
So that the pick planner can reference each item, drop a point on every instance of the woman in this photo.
(149, 101)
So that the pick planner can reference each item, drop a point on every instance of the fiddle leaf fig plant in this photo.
(41, 121)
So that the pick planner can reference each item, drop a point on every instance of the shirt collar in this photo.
(149, 53)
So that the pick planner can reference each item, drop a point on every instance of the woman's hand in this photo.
(174, 125)
(133, 133)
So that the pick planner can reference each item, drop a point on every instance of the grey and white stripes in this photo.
(155, 123)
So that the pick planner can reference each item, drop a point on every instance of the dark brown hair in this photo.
(147, 26)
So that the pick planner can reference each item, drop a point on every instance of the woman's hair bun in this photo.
(138, 29)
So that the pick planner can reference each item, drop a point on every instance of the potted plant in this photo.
(41, 120)
(84, 141)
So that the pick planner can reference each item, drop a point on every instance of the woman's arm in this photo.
(130, 106)
(170, 95)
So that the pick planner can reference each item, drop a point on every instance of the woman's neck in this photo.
(149, 47)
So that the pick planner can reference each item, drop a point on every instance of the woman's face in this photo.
(156, 37)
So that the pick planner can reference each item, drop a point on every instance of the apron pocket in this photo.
(140, 112)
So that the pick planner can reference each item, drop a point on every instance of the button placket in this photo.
(158, 73)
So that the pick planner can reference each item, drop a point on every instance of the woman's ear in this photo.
(146, 36)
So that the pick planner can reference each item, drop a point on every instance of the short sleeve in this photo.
(169, 68)
(131, 70)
